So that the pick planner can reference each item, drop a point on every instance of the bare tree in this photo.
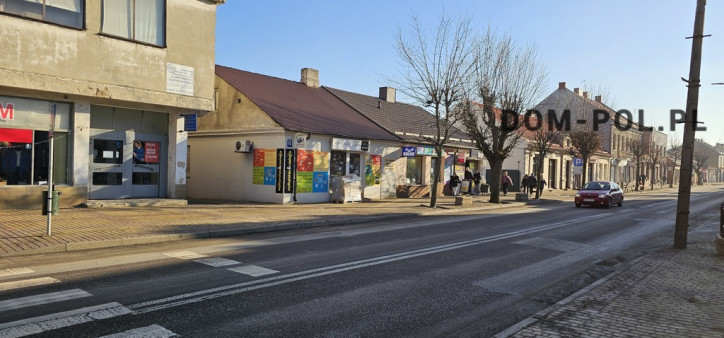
(700, 159)
(674, 153)
(436, 70)
(638, 150)
(540, 144)
(585, 143)
(507, 81)
(655, 154)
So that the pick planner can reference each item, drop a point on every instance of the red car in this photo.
(600, 193)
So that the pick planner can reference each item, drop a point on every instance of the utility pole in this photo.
(687, 147)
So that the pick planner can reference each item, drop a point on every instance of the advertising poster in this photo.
(264, 167)
(290, 172)
(152, 150)
(312, 171)
(320, 182)
(280, 171)
(373, 169)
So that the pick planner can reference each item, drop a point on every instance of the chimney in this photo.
(310, 77)
(599, 98)
(585, 95)
(561, 85)
(388, 94)
(577, 91)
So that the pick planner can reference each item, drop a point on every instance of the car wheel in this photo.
(620, 202)
(609, 204)
(578, 205)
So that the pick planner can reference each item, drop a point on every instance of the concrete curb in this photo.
(165, 238)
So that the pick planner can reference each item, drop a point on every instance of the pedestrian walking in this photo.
(455, 184)
(543, 184)
(469, 177)
(505, 182)
(476, 180)
(524, 184)
(532, 181)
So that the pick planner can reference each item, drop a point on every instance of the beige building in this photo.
(119, 81)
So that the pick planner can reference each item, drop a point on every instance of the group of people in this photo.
(528, 184)
(473, 179)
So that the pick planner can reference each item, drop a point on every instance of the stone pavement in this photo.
(668, 293)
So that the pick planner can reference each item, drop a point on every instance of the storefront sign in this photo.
(365, 146)
(280, 171)
(426, 151)
(290, 172)
(300, 140)
(347, 144)
(189, 122)
(32, 114)
(409, 151)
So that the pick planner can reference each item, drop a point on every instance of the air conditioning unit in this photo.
(243, 146)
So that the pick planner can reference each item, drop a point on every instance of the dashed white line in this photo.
(253, 270)
(27, 283)
(155, 330)
(40, 299)
(59, 320)
(217, 261)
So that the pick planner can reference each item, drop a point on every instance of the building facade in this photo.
(118, 81)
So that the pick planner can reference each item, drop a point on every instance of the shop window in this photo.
(145, 178)
(107, 151)
(414, 171)
(355, 164)
(62, 12)
(25, 157)
(338, 160)
(139, 20)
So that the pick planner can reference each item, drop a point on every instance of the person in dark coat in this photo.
(524, 184)
(454, 184)
(476, 180)
(532, 181)
(469, 177)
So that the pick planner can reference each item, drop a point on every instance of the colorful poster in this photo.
(304, 181)
(258, 175)
(312, 171)
(320, 182)
(264, 169)
(279, 186)
(321, 161)
(290, 173)
(373, 169)
(305, 160)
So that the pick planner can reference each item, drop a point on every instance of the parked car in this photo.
(600, 193)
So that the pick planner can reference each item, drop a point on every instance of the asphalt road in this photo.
(470, 274)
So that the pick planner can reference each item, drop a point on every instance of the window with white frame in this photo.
(62, 12)
(139, 20)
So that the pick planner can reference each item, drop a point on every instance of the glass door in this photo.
(107, 169)
(145, 179)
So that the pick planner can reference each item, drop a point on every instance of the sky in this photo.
(635, 50)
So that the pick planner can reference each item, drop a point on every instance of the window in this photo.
(414, 171)
(24, 157)
(61, 12)
(138, 20)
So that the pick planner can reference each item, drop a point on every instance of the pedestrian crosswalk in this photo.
(85, 314)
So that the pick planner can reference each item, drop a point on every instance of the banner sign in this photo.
(409, 151)
(290, 172)
(280, 171)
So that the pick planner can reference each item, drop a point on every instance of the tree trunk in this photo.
(585, 170)
(538, 172)
(436, 180)
(496, 172)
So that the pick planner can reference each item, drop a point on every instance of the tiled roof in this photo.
(297, 107)
(404, 120)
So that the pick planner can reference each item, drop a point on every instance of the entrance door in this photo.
(108, 154)
(126, 165)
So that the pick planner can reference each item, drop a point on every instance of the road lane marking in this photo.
(202, 295)
(27, 283)
(217, 261)
(155, 330)
(59, 320)
(14, 271)
(184, 255)
(253, 270)
(40, 299)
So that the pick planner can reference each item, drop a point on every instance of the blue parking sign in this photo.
(577, 162)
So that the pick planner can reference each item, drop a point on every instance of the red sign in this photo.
(16, 135)
(7, 111)
(151, 152)
(305, 160)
